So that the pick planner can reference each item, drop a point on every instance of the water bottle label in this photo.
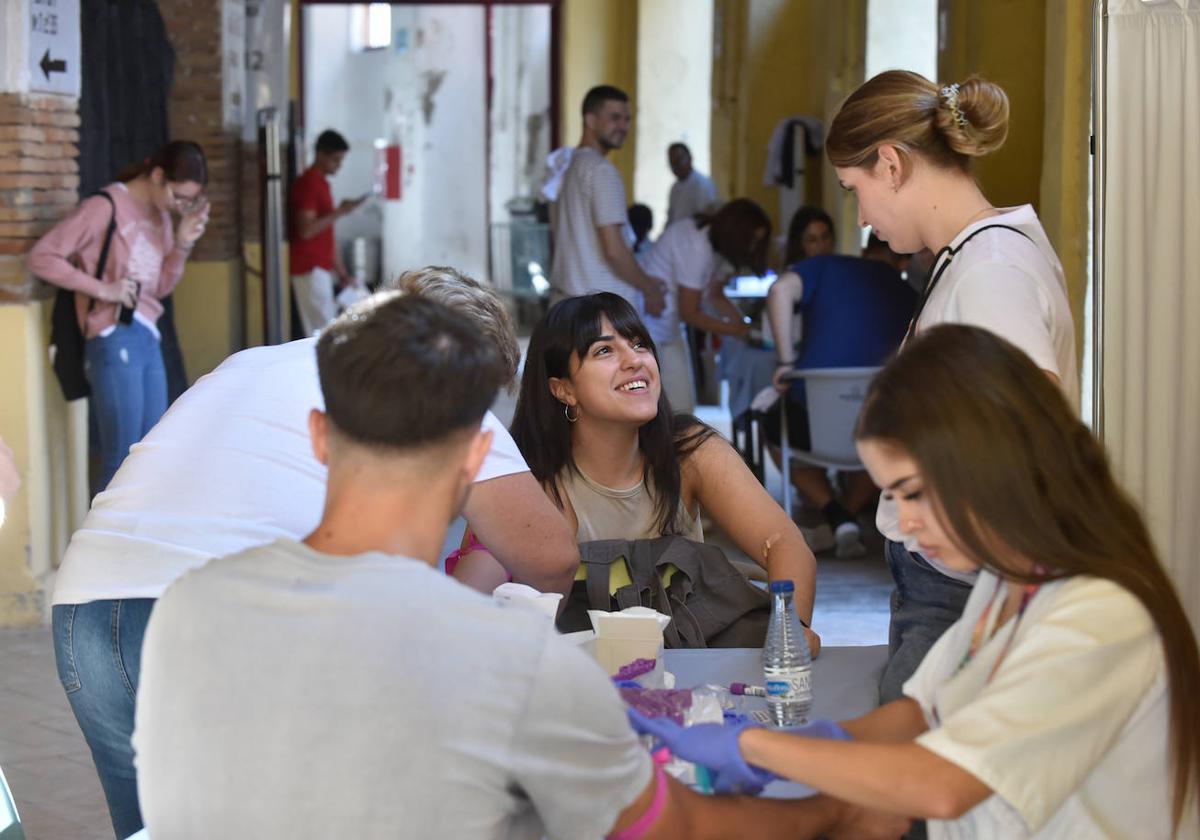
(794, 686)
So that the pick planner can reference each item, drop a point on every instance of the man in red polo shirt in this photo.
(314, 257)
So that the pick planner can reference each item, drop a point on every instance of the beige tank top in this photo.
(607, 514)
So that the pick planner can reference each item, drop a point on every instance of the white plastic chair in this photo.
(835, 397)
(10, 820)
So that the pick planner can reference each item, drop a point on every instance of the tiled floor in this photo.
(49, 767)
(42, 752)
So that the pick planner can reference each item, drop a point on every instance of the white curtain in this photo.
(1149, 272)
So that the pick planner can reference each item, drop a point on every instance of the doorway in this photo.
(464, 94)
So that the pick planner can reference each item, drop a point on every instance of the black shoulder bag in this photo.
(65, 335)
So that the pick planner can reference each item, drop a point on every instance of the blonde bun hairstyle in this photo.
(946, 125)
(973, 116)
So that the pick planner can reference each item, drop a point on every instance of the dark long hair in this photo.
(1008, 464)
(731, 231)
(801, 219)
(180, 161)
(540, 427)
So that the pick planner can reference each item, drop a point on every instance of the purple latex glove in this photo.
(710, 745)
(830, 730)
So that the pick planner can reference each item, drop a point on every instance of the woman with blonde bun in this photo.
(904, 145)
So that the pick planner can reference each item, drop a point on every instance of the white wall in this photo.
(902, 35)
(428, 92)
(14, 46)
(520, 103)
(675, 39)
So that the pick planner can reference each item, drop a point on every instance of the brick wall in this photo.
(39, 136)
(194, 108)
(39, 180)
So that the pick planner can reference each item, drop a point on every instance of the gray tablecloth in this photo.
(845, 683)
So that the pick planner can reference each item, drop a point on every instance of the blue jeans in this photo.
(924, 604)
(129, 390)
(98, 647)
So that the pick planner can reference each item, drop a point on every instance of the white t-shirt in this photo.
(591, 196)
(694, 194)
(291, 694)
(229, 466)
(1014, 287)
(683, 257)
(1072, 731)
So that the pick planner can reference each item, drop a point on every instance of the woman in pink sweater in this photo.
(145, 262)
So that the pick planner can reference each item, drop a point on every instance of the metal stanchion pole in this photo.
(271, 182)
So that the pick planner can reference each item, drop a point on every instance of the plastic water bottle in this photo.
(787, 663)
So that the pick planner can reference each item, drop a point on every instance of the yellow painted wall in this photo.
(1039, 51)
(1005, 42)
(773, 59)
(252, 253)
(1063, 204)
(208, 314)
(48, 439)
(600, 40)
(48, 436)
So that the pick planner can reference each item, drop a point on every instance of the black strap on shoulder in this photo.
(950, 254)
(108, 235)
(102, 263)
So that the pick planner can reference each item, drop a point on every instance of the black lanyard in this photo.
(950, 253)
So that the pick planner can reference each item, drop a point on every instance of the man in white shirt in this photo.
(592, 250)
(229, 467)
(693, 257)
(692, 191)
(341, 687)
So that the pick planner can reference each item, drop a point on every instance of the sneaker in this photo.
(820, 538)
(848, 540)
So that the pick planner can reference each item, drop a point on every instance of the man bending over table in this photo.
(342, 687)
(229, 467)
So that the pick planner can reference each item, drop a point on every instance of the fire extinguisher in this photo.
(389, 170)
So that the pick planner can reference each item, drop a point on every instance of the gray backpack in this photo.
(710, 602)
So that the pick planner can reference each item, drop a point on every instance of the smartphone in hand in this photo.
(126, 316)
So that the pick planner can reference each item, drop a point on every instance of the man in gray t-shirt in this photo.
(343, 687)
(369, 695)
(591, 247)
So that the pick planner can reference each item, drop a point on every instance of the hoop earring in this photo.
(567, 414)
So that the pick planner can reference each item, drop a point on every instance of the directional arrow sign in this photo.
(52, 65)
(53, 57)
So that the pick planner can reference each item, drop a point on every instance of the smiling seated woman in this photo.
(598, 432)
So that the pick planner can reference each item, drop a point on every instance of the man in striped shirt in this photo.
(591, 244)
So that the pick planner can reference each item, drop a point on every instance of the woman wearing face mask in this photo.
(904, 147)
(1060, 705)
(145, 261)
(597, 430)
